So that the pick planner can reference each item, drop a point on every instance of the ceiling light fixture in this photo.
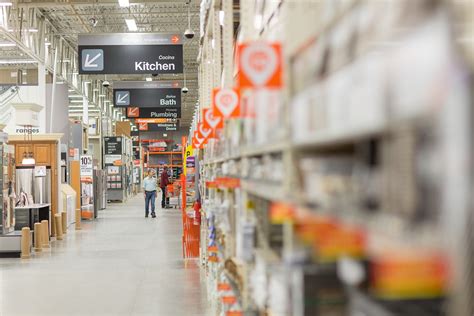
(132, 25)
(149, 79)
(19, 61)
(124, 3)
(221, 17)
(6, 3)
(7, 44)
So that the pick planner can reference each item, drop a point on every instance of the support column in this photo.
(41, 100)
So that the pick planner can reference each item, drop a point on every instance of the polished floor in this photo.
(120, 264)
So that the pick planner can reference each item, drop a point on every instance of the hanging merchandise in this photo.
(226, 103)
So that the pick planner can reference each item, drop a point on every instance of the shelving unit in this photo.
(353, 151)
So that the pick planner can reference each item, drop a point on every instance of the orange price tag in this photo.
(224, 287)
(230, 300)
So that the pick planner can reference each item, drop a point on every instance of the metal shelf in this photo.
(328, 139)
(265, 189)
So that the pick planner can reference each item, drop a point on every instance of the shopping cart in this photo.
(173, 195)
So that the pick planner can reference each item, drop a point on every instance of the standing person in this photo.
(149, 186)
(164, 181)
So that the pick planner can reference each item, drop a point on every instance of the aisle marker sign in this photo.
(212, 122)
(130, 53)
(226, 103)
(260, 65)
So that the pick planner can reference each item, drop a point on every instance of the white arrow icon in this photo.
(122, 98)
(89, 62)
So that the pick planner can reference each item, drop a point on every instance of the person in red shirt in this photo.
(164, 181)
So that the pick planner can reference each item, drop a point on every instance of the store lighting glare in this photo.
(124, 3)
(132, 25)
(149, 79)
(6, 3)
(29, 161)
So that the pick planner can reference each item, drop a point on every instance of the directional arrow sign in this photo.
(122, 98)
(130, 53)
(92, 59)
(149, 94)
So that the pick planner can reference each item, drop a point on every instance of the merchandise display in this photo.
(332, 189)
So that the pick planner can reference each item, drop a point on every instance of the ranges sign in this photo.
(130, 53)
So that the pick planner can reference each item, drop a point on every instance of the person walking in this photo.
(164, 181)
(149, 186)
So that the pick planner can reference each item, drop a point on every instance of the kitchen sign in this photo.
(130, 53)
(112, 145)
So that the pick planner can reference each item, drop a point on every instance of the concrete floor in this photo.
(120, 264)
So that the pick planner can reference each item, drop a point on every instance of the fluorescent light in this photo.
(75, 101)
(101, 95)
(76, 96)
(7, 44)
(6, 3)
(149, 79)
(221, 17)
(17, 61)
(124, 3)
(132, 25)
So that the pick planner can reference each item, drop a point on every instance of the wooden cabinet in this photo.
(20, 150)
(42, 154)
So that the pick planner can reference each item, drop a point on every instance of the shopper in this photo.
(164, 181)
(149, 186)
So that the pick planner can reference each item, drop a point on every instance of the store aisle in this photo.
(120, 264)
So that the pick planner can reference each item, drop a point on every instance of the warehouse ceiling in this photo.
(72, 17)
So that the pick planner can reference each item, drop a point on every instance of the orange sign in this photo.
(226, 103)
(198, 141)
(229, 300)
(260, 65)
(155, 121)
(223, 287)
(175, 39)
(133, 112)
(212, 122)
(142, 126)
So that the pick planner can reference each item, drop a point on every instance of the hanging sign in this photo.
(144, 94)
(165, 112)
(260, 65)
(188, 159)
(226, 103)
(198, 142)
(86, 168)
(112, 145)
(130, 53)
(158, 127)
(212, 122)
(159, 120)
